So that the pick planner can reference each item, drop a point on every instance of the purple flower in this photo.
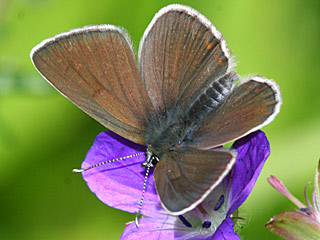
(119, 185)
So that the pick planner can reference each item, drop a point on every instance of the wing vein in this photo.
(197, 70)
(195, 73)
(136, 85)
(164, 60)
(109, 89)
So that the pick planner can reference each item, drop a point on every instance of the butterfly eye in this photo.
(154, 160)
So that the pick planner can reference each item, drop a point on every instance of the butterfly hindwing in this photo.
(252, 104)
(184, 178)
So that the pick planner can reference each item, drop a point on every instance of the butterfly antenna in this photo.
(142, 197)
(109, 161)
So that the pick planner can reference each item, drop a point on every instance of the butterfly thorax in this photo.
(176, 125)
(170, 134)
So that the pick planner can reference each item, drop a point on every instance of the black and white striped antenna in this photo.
(109, 161)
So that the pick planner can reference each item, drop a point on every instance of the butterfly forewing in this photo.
(95, 68)
(184, 178)
(251, 105)
(181, 53)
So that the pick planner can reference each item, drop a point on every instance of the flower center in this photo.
(206, 217)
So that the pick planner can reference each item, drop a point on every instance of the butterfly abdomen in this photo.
(212, 97)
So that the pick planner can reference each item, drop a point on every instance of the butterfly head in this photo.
(151, 160)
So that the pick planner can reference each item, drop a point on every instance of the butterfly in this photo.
(180, 97)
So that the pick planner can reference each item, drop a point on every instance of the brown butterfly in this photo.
(180, 100)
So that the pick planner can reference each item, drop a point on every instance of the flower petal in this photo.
(279, 186)
(294, 225)
(119, 184)
(165, 227)
(225, 231)
(150, 229)
(253, 150)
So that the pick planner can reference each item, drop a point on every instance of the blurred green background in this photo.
(43, 136)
